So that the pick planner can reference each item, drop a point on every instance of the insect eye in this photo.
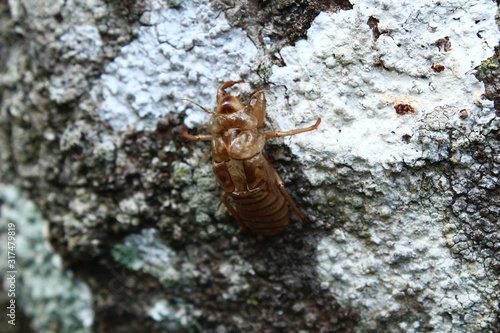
(230, 104)
(227, 107)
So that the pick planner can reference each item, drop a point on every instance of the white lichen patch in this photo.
(82, 42)
(44, 290)
(185, 53)
(131, 208)
(393, 273)
(174, 318)
(354, 76)
(235, 271)
(353, 80)
(146, 252)
(36, 9)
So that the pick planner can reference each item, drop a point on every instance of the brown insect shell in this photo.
(235, 136)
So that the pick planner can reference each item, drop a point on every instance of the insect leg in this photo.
(289, 199)
(293, 132)
(220, 91)
(233, 212)
(225, 85)
(259, 108)
(191, 137)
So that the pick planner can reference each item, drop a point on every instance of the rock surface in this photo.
(400, 179)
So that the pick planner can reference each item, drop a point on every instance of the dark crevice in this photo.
(373, 24)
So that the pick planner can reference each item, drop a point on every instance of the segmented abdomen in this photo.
(264, 209)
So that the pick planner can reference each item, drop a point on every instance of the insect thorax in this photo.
(240, 119)
(237, 144)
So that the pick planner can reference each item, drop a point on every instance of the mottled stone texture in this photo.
(401, 179)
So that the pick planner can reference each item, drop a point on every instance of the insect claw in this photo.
(229, 84)
(221, 90)
(316, 124)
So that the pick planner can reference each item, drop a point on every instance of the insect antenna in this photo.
(201, 107)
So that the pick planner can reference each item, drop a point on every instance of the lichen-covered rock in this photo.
(394, 175)
(37, 280)
(400, 179)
